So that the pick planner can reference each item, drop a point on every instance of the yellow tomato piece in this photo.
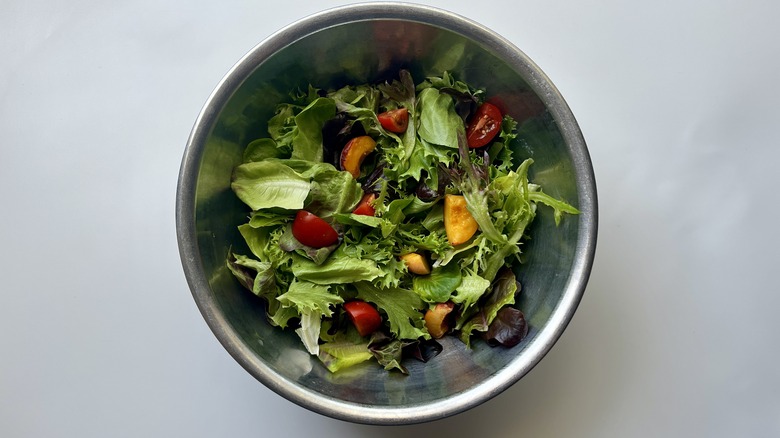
(458, 221)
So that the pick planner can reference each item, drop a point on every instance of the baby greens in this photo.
(297, 167)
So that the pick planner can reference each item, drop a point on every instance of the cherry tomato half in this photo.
(365, 206)
(484, 125)
(364, 316)
(312, 231)
(395, 120)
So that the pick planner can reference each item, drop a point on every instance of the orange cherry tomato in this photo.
(364, 316)
(484, 125)
(395, 120)
(312, 231)
(365, 206)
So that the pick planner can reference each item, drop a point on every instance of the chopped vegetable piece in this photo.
(364, 316)
(354, 152)
(458, 222)
(366, 207)
(436, 319)
(395, 120)
(312, 231)
(484, 125)
(416, 263)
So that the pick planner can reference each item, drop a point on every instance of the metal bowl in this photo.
(358, 44)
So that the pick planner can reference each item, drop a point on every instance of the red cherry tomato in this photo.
(312, 231)
(364, 207)
(484, 125)
(395, 120)
(364, 316)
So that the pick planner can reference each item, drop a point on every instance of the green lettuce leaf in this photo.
(438, 286)
(470, 290)
(343, 353)
(403, 92)
(306, 296)
(559, 207)
(270, 184)
(266, 218)
(281, 128)
(289, 243)
(309, 331)
(389, 355)
(439, 123)
(332, 192)
(262, 149)
(255, 275)
(337, 269)
(307, 142)
(503, 294)
(358, 220)
(402, 307)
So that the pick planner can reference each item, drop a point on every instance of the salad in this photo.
(385, 216)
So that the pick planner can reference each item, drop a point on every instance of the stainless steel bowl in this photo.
(357, 44)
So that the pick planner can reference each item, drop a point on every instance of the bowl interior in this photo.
(357, 51)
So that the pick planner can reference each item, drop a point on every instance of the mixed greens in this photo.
(386, 216)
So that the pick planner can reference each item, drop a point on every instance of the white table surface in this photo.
(677, 334)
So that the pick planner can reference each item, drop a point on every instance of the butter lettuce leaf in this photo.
(439, 123)
(307, 141)
(438, 286)
(270, 184)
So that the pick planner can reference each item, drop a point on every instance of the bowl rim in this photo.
(584, 251)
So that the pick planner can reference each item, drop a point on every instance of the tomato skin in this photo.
(312, 231)
(395, 120)
(364, 207)
(484, 125)
(364, 316)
